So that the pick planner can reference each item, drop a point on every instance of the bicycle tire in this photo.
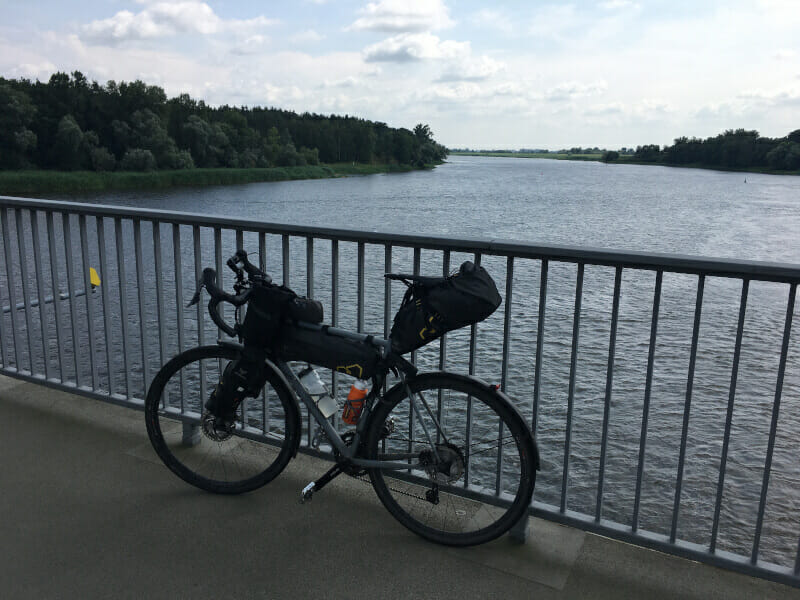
(475, 506)
(242, 462)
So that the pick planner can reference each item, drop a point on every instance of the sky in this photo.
(532, 74)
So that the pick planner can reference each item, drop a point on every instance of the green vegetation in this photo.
(733, 150)
(42, 182)
(70, 124)
(560, 155)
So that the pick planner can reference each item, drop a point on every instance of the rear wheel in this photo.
(474, 482)
(229, 460)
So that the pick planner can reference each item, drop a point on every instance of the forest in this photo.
(733, 149)
(70, 123)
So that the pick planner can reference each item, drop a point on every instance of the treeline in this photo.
(69, 123)
(733, 149)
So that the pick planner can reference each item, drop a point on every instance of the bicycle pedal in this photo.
(307, 493)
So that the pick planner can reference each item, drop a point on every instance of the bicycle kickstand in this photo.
(320, 483)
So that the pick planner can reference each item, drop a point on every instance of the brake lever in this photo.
(196, 297)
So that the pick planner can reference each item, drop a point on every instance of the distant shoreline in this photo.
(622, 160)
(44, 181)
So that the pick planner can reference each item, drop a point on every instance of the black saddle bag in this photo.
(429, 310)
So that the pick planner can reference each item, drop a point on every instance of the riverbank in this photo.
(624, 160)
(37, 181)
(550, 155)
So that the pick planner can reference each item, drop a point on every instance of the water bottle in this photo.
(355, 402)
(318, 392)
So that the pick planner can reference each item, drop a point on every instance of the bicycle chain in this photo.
(366, 479)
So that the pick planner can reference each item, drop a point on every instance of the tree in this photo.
(66, 151)
(138, 159)
(610, 156)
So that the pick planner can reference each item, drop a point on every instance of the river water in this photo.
(622, 207)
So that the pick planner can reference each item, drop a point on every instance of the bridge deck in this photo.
(88, 511)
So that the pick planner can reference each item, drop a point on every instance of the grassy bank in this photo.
(39, 182)
(551, 155)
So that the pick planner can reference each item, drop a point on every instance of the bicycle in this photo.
(448, 455)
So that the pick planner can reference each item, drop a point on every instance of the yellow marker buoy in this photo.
(94, 278)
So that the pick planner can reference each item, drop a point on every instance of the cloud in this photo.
(162, 19)
(492, 19)
(309, 36)
(471, 69)
(410, 47)
(250, 45)
(403, 16)
(618, 4)
(789, 96)
(570, 90)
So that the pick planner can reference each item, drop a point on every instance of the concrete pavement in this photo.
(88, 511)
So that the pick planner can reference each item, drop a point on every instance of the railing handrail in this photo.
(678, 263)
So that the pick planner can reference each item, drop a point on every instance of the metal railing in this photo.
(601, 351)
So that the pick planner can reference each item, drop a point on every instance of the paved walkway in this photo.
(87, 511)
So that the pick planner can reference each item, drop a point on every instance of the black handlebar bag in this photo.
(428, 311)
(268, 309)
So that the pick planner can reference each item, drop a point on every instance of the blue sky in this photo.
(607, 73)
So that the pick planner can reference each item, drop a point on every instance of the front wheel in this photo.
(238, 459)
(473, 459)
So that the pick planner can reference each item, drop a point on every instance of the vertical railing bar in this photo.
(177, 260)
(87, 285)
(612, 344)
(473, 339)
(387, 291)
(443, 342)
(729, 416)
(26, 295)
(123, 303)
(40, 291)
(157, 263)
(648, 386)
(335, 311)
(137, 245)
(504, 366)
(797, 560)
(53, 251)
(218, 260)
(573, 363)
(442, 346)
(773, 429)
(415, 270)
(105, 278)
(360, 302)
(537, 369)
(12, 288)
(286, 270)
(687, 407)
(239, 246)
(71, 291)
(309, 294)
(3, 354)
(198, 269)
(262, 251)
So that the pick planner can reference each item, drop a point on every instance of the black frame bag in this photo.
(429, 310)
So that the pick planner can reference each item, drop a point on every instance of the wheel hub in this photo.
(215, 428)
(450, 466)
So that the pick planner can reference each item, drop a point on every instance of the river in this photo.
(588, 204)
